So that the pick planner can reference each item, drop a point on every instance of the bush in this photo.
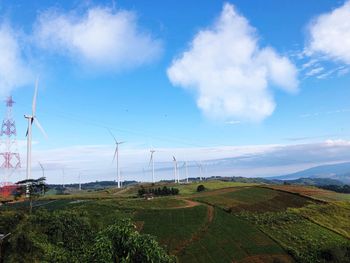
(200, 188)
(158, 191)
(68, 236)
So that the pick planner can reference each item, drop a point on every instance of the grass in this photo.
(306, 241)
(312, 192)
(188, 189)
(172, 227)
(264, 223)
(230, 239)
(256, 199)
(334, 216)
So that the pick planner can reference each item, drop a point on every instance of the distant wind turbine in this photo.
(79, 181)
(151, 160)
(31, 118)
(116, 154)
(42, 169)
(200, 170)
(176, 179)
(186, 171)
(63, 186)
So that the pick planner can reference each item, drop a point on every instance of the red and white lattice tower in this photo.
(9, 156)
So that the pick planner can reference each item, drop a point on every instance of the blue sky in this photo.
(158, 86)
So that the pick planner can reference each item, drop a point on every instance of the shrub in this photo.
(200, 188)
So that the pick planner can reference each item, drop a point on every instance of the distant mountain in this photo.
(339, 172)
(315, 181)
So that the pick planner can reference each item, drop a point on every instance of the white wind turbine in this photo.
(200, 166)
(116, 154)
(176, 175)
(151, 160)
(31, 118)
(79, 181)
(186, 170)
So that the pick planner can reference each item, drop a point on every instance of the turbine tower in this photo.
(186, 170)
(79, 181)
(176, 175)
(151, 160)
(63, 186)
(116, 154)
(200, 170)
(10, 159)
(31, 118)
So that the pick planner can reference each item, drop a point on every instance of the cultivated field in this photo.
(228, 222)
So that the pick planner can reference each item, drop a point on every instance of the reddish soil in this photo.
(198, 235)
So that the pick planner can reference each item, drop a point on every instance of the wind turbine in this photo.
(63, 186)
(79, 181)
(151, 160)
(200, 170)
(42, 169)
(176, 176)
(31, 118)
(116, 154)
(186, 171)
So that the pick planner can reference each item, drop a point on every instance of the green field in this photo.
(230, 239)
(228, 222)
(188, 189)
(172, 227)
(303, 239)
(334, 216)
(255, 199)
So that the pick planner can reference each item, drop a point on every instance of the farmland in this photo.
(228, 222)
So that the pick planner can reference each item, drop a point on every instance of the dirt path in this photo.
(189, 204)
(199, 234)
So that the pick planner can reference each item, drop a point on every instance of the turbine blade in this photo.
(37, 123)
(112, 135)
(27, 132)
(35, 96)
(150, 160)
(115, 153)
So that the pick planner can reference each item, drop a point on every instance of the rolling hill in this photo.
(340, 172)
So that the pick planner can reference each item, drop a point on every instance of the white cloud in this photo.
(95, 161)
(330, 34)
(14, 71)
(314, 71)
(101, 37)
(230, 73)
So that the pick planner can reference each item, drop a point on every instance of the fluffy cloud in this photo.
(230, 73)
(101, 37)
(13, 70)
(330, 34)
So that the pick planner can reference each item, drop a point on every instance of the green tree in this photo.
(200, 188)
(122, 243)
(31, 188)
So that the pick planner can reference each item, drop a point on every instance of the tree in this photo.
(68, 237)
(31, 188)
(200, 188)
(120, 242)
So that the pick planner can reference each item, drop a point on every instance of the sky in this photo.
(260, 85)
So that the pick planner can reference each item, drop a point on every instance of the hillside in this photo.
(227, 222)
(340, 172)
